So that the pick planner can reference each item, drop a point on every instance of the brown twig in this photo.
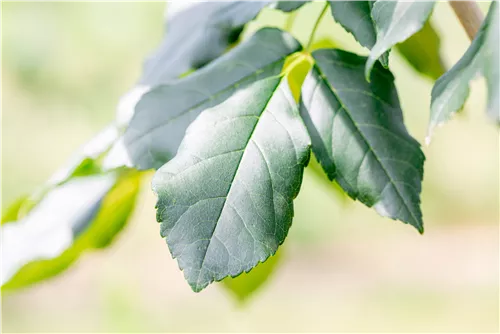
(470, 16)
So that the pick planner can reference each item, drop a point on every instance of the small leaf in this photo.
(355, 17)
(359, 137)
(225, 200)
(395, 21)
(163, 114)
(482, 57)
(246, 284)
(422, 52)
(288, 6)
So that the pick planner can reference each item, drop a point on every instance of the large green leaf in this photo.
(482, 57)
(395, 21)
(246, 284)
(422, 52)
(163, 114)
(359, 137)
(225, 200)
(355, 17)
(198, 32)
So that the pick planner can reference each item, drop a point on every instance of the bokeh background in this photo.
(343, 268)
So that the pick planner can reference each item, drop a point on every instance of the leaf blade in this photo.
(358, 135)
(163, 114)
(232, 141)
(452, 89)
(395, 22)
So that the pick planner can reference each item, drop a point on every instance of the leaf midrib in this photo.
(348, 113)
(233, 178)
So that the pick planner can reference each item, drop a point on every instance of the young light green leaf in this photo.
(422, 52)
(84, 213)
(359, 137)
(482, 57)
(355, 17)
(395, 21)
(225, 200)
(163, 114)
(246, 284)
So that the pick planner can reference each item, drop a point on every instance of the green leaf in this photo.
(225, 202)
(359, 137)
(163, 114)
(288, 6)
(199, 32)
(482, 57)
(85, 213)
(246, 284)
(355, 17)
(422, 52)
(395, 21)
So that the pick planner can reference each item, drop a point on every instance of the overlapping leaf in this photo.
(163, 114)
(422, 51)
(359, 137)
(198, 32)
(225, 200)
(355, 17)
(395, 21)
(482, 57)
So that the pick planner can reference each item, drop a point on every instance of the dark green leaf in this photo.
(422, 52)
(288, 6)
(359, 137)
(163, 114)
(84, 213)
(225, 200)
(246, 284)
(355, 17)
(395, 21)
(482, 57)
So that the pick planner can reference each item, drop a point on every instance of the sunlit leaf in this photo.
(225, 202)
(84, 213)
(395, 21)
(163, 114)
(482, 57)
(359, 137)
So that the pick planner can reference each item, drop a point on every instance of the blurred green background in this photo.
(343, 268)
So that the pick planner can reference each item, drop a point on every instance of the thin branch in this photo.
(470, 16)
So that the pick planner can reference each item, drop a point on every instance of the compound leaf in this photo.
(359, 137)
(395, 21)
(482, 57)
(163, 114)
(225, 200)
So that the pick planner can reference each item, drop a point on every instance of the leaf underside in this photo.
(225, 200)
(359, 137)
(482, 57)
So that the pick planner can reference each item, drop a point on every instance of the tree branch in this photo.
(470, 16)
